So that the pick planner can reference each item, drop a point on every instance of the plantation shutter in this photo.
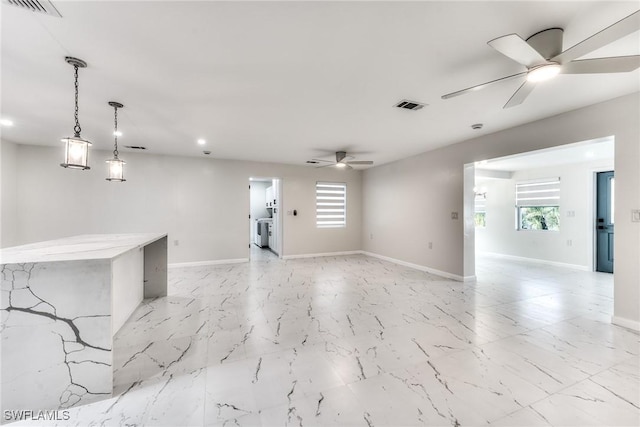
(544, 192)
(331, 204)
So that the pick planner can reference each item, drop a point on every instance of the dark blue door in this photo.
(604, 222)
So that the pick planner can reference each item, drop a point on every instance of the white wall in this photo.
(408, 203)
(8, 194)
(203, 203)
(257, 202)
(572, 244)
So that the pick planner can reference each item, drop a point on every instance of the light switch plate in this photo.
(454, 215)
(635, 215)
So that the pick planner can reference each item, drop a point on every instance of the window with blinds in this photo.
(480, 211)
(538, 205)
(331, 204)
(538, 193)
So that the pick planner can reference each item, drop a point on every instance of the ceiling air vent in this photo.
(135, 147)
(410, 105)
(42, 6)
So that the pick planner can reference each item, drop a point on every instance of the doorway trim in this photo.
(278, 216)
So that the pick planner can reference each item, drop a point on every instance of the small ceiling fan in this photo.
(343, 160)
(543, 56)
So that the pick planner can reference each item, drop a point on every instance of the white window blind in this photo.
(544, 192)
(480, 203)
(331, 204)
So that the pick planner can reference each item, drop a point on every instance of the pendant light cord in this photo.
(76, 128)
(115, 132)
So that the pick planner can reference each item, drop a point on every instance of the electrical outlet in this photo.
(454, 215)
(176, 242)
(571, 214)
(635, 215)
(370, 236)
(430, 245)
(569, 242)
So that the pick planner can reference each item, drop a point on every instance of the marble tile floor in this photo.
(356, 341)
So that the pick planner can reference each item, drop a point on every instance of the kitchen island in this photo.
(62, 302)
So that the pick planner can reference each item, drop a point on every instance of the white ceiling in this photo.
(288, 81)
(599, 149)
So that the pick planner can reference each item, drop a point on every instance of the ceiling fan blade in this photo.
(325, 166)
(520, 95)
(326, 161)
(360, 162)
(481, 86)
(610, 34)
(616, 64)
(514, 47)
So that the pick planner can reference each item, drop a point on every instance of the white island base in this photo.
(62, 302)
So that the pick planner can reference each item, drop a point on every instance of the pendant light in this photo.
(115, 166)
(76, 154)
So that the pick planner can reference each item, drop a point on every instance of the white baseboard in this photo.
(420, 267)
(321, 254)
(536, 261)
(207, 263)
(634, 325)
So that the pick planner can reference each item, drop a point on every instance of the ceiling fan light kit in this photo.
(544, 59)
(543, 72)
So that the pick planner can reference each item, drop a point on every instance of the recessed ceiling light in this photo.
(117, 133)
(6, 122)
(341, 165)
(201, 141)
(590, 154)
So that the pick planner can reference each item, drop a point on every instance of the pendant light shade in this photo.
(115, 170)
(115, 166)
(76, 153)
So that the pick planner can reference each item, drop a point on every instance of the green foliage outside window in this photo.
(539, 218)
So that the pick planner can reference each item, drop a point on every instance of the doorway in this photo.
(265, 220)
(491, 228)
(605, 188)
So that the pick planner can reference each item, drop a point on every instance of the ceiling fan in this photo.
(343, 160)
(543, 56)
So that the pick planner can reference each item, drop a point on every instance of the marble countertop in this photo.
(77, 248)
